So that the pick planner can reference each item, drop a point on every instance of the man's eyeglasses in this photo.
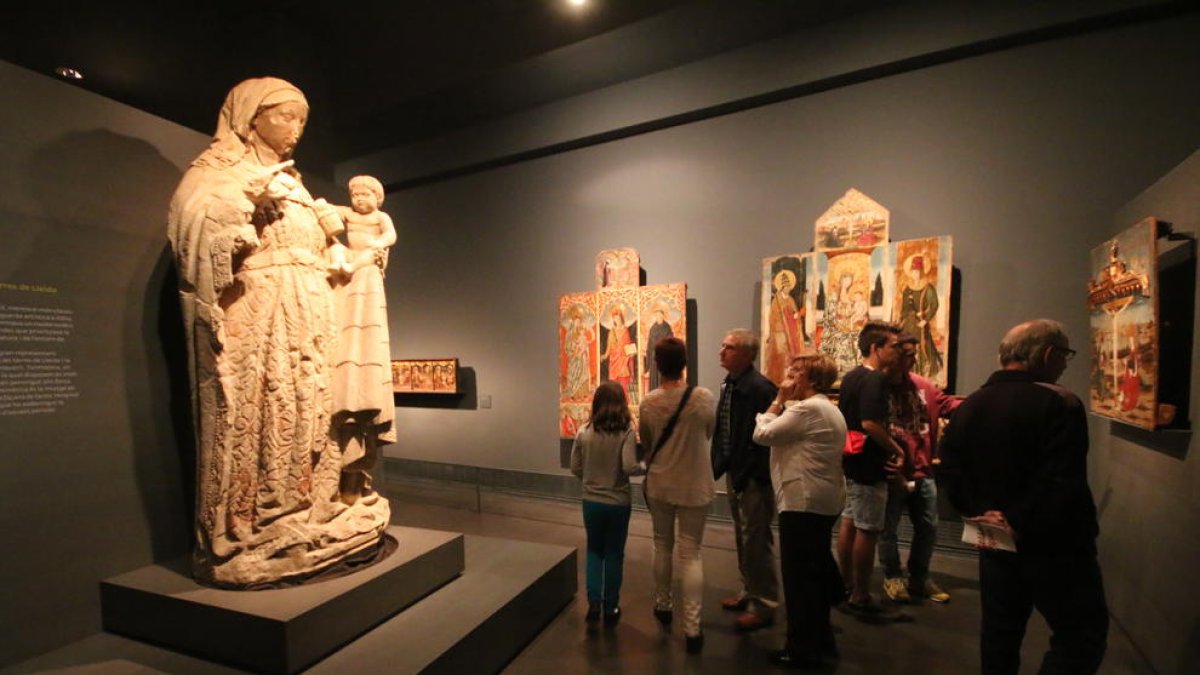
(1068, 353)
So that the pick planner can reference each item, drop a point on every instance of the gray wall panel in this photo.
(97, 487)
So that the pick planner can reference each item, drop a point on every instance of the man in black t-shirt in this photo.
(863, 401)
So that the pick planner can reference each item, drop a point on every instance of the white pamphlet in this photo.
(987, 536)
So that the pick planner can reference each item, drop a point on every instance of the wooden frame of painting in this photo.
(425, 376)
(1123, 307)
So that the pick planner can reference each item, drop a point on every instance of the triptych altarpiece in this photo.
(610, 333)
(821, 300)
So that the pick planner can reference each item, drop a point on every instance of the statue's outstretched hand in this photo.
(270, 182)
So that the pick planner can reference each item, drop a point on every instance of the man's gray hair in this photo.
(1024, 343)
(745, 339)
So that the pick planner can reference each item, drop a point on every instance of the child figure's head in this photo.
(366, 194)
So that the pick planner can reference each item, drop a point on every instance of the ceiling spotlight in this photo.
(577, 3)
(68, 73)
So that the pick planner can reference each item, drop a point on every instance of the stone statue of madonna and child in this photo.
(287, 352)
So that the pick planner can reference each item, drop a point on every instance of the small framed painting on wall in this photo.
(425, 376)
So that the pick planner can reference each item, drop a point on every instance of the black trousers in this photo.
(1066, 589)
(811, 582)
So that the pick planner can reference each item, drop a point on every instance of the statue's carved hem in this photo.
(374, 553)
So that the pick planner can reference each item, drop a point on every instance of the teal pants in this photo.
(607, 526)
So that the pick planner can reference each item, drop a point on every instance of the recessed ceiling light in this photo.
(577, 3)
(68, 73)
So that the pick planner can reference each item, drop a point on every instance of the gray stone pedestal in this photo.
(283, 630)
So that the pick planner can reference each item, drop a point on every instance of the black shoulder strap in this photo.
(667, 430)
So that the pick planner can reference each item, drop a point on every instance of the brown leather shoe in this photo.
(735, 603)
(749, 621)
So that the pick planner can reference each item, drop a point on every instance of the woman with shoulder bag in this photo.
(676, 422)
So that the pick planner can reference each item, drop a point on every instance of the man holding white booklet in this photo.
(1014, 463)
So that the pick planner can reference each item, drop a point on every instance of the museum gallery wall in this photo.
(99, 482)
(1022, 156)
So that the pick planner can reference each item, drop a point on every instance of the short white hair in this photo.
(1024, 343)
(745, 339)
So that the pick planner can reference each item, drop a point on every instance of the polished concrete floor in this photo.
(940, 639)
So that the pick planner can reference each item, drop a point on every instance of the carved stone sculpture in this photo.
(276, 500)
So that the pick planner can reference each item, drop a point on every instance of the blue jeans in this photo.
(921, 505)
(607, 526)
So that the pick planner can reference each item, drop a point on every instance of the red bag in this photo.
(854, 442)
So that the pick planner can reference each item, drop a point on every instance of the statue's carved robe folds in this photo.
(261, 324)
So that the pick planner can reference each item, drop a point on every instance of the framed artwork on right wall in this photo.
(1123, 305)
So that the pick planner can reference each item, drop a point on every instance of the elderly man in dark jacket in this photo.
(745, 464)
(1015, 458)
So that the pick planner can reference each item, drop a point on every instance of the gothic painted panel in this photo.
(784, 303)
(822, 300)
(843, 302)
(1123, 309)
(425, 376)
(618, 318)
(854, 221)
(578, 335)
(662, 313)
(920, 305)
(618, 268)
(572, 417)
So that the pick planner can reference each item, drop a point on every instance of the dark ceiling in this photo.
(378, 74)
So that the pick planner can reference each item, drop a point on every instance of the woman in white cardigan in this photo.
(806, 433)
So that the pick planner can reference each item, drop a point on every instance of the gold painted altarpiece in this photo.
(821, 300)
(610, 333)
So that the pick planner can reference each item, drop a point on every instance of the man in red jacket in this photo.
(916, 405)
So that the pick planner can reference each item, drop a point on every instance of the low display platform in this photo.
(507, 593)
(280, 630)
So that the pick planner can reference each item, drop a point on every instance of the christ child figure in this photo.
(362, 384)
(369, 231)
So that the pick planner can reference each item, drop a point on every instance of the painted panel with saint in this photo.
(663, 314)
(784, 313)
